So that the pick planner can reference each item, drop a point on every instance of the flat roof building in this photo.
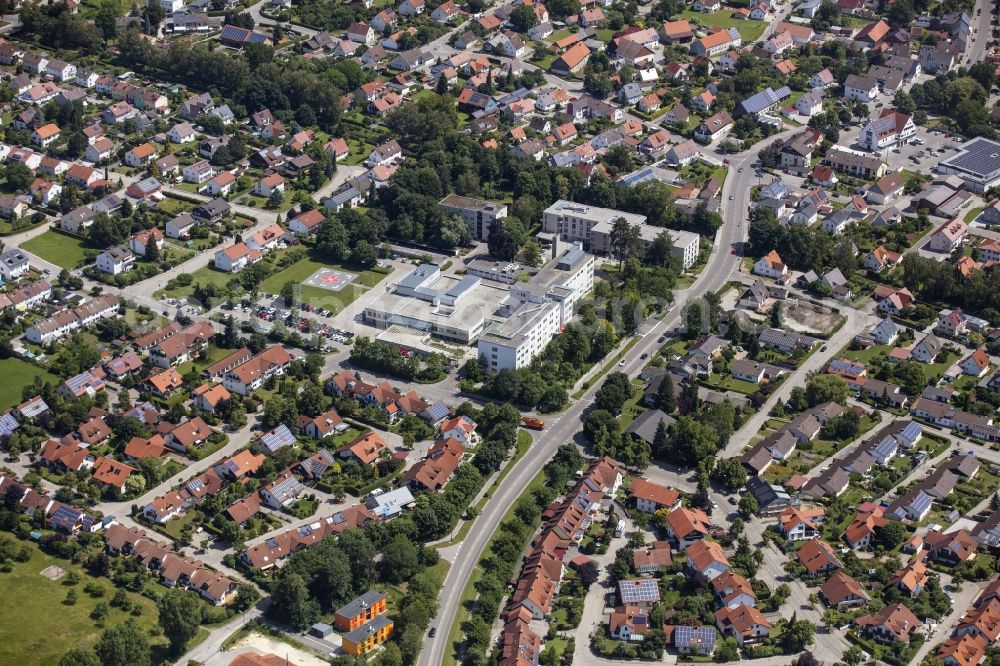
(511, 319)
(686, 243)
(573, 221)
(456, 309)
(478, 213)
(977, 164)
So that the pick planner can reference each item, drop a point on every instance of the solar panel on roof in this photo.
(635, 591)
(8, 424)
(66, 515)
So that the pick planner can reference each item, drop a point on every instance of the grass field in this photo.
(324, 298)
(19, 374)
(749, 30)
(43, 627)
(204, 276)
(59, 249)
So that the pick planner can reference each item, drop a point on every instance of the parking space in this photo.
(306, 319)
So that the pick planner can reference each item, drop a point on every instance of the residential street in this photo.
(742, 437)
(567, 425)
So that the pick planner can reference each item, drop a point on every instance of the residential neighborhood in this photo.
(516, 333)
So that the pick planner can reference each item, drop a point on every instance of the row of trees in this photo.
(506, 549)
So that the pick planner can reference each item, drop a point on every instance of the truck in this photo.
(532, 423)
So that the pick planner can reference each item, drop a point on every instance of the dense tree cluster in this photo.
(960, 97)
(385, 357)
(939, 282)
(278, 86)
(317, 580)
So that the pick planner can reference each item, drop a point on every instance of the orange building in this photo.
(364, 639)
(364, 609)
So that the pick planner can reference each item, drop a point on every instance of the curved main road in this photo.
(721, 266)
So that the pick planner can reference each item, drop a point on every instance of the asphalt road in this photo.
(976, 47)
(562, 429)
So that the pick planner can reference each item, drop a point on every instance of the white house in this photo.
(199, 172)
(181, 133)
(236, 257)
(860, 88)
(141, 155)
(770, 265)
(115, 260)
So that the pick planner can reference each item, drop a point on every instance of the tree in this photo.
(153, 16)
(730, 472)
(531, 252)
(18, 176)
(523, 18)
(853, 656)
(276, 198)
(501, 244)
(400, 559)
(748, 506)
(123, 645)
(333, 240)
(364, 254)
(288, 293)
(666, 396)
(826, 388)
(152, 250)
(891, 535)
(290, 603)
(806, 658)
(692, 440)
(798, 635)
(180, 615)
(624, 238)
(614, 392)
(246, 596)
(727, 651)
(661, 438)
(78, 657)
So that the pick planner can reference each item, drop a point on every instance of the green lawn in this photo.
(359, 152)
(973, 214)
(59, 249)
(19, 374)
(173, 206)
(211, 355)
(324, 298)
(865, 356)
(728, 383)
(749, 30)
(204, 276)
(43, 627)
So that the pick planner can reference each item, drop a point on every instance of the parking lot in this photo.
(264, 316)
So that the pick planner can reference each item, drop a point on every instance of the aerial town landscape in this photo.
(510, 333)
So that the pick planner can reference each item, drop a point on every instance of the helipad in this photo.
(329, 278)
